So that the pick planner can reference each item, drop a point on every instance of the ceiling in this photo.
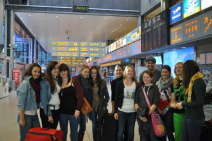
(50, 27)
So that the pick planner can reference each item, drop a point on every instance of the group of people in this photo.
(179, 101)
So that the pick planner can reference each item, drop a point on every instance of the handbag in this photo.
(86, 108)
(157, 123)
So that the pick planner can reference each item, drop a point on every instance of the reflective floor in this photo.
(8, 120)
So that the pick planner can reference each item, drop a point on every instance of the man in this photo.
(150, 64)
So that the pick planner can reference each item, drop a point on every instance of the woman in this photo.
(119, 76)
(143, 111)
(195, 92)
(29, 100)
(71, 100)
(50, 101)
(165, 85)
(124, 103)
(178, 96)
(100, 100)
(88, 94)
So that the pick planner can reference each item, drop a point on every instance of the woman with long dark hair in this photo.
(50, 102)
(165, 85)
(178, 96)
(124, 103)
(29, 100)
(195, 92)
(100, 100)
(71, 100)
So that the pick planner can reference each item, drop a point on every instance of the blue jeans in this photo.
(30, 122)
(123, 119)
(93, 116)
(149, 137)
(64, 118)
(191, 129)
(82, 123)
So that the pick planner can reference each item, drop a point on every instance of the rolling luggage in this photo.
(109, 128)
(43, 134)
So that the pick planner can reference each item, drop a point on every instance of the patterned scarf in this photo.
(163, 84)
(190, 86)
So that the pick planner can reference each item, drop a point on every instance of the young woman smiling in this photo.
(29, 100)
(124, 103)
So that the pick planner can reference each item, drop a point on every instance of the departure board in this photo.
(89, 44)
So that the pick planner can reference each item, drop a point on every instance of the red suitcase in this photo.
(43, 134)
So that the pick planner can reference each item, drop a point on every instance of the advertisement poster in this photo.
(134, 35)
(190, 7)
(128, 38)
(176, 13)
(124, 41)
(205, 4)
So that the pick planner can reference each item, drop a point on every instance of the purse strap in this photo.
(147, 100)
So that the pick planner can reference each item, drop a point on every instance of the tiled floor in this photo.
(8, 122)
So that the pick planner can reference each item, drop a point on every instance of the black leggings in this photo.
(44, 119)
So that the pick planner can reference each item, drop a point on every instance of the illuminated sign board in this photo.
(80, 8)
(176, 13)
(202, 58)
(78, 44)
(176, 34)
(205, 4)
(208, 58)
(68, 54)
(193, 29)
(190, 7)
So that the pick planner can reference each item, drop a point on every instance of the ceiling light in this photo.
(56, 16)
(105, 18)
(29, 15)
(127, 19)
(120, 24)
(183, 47)
(115, 29)
(80, 17)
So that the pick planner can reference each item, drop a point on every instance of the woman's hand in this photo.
(179, 106)
(116, 116)
(50, 119)
(76, 114)
(164, 111)
(22, 122)
(144, 119)
(160, 112)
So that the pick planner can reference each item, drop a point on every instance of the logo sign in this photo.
(176, 13)
(190, 7)
(205, 4)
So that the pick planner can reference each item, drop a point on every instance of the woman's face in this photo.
(118, 72)
(146, 78)
(35, 72)
(55, 70)
(130, 72)
(165, 73)
(85, 73)
(64, 74)
(179, 69)
(94, 73)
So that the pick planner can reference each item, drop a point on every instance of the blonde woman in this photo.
(124, 103)
(178, 96)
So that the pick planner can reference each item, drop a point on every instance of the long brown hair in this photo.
(190, 67)
(176, 79)
(49, 77)
(98, 77)
(29, 71)
(64, 67)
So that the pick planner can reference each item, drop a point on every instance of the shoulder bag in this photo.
(157, 124)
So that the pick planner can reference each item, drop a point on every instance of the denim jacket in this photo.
(26, 96)
(45, 96)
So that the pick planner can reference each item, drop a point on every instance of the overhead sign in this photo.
(155, 32)
(87, 44)
(176, 13)
(208, 58)
(80, 8)
(193, 29)
(205, 4)
(202, 58)
(190, 7)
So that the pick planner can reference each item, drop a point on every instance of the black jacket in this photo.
(120, 94)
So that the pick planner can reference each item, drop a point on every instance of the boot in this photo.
(80, 136)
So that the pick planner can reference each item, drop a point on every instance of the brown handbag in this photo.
(86, 108)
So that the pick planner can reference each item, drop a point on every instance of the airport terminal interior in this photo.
(103, 34)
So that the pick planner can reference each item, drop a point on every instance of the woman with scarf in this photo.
(195, 92)
(29, 100)
(178, 96)
(49, 96)
(100, 100)
(88, 94)
(165, 85)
